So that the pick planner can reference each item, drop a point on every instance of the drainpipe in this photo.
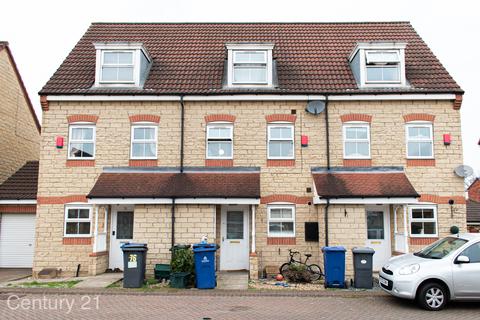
(182, 133)
(173, 223)
(327, 140)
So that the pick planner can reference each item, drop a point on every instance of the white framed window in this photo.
(281, 141)
(219, 141)
(356, 141)
(81, 141)
(382, 66)
(379, 64)
(419, 137)
(281, 221)
(78, 221)
(250, 65)
(143, 141)
(121, 64)
(117, 66)
(423, 221)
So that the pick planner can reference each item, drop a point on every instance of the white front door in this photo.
(121, 233)
(17, 240)
(234, 232)
(378, 234)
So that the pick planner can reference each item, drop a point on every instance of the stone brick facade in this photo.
(20, 136)
(290, 182)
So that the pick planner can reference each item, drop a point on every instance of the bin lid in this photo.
(134, 246)
(202, 247)
(334, 249)
(363, 250)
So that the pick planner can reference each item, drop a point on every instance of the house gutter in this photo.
(173, 223)
(182, 132)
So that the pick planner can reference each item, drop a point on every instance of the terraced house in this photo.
(262, 136)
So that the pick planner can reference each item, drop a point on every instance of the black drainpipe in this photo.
(173, 223)
(327, 133)
(182, 133)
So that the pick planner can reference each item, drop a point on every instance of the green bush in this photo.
(182, 261)
(298, 273)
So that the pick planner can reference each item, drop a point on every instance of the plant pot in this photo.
(162, 271)
(179, 280)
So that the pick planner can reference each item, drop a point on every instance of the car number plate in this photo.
(383, 281)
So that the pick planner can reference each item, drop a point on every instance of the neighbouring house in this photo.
(261, 136)
(19, 144)
(473, 207)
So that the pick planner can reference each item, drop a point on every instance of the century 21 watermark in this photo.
(63, 304)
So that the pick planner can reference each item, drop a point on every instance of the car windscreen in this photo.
(441, 248)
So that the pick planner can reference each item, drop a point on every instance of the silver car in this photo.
(448, 269)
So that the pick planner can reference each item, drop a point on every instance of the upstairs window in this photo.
(419, 140)
(379, 64)
(356, 141)
(117, 66)
(382, 66)
(144, 142)
(281, 141)
(81, 144)
(220, 141)
(250, 65)
(121, 64)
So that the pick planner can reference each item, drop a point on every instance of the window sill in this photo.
(218, 162)
(420, 162)
(423, 240)
(143, 162)
(357, 162)
(280, 163)
(80, 163)
(77, 240)
(281, 241)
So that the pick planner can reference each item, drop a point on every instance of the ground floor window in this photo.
(78, 221)
(423, 221)
(281, 221)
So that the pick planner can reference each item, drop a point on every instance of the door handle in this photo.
(223, 239)
(113, 233)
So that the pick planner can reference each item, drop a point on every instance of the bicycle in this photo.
(314, 269)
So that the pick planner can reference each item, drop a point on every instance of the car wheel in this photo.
(433, 296)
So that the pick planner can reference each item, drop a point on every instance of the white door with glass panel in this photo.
(234, 251)
(121, 233)
(378, 235)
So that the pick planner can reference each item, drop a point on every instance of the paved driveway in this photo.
(7, 274)
(33, 306)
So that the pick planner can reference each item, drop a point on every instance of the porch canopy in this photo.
(363, 185)
(160, 185)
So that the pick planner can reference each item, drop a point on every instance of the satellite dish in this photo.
(463, 171)
(315, 107)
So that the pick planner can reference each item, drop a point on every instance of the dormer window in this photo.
(121, 65)
(379, 64)
(250, 65)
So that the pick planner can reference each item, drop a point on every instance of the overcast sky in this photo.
(42, 33)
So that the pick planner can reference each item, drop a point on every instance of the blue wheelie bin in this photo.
(334, 266)
(205, 265)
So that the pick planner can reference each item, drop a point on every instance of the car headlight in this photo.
(410, 269)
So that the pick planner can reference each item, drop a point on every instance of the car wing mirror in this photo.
(462, 259)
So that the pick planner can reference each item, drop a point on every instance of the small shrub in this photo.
(182, 261)
(298, 273)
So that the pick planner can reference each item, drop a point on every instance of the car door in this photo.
(466, 276)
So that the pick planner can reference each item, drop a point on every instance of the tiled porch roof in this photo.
(22, 185)
(170, 183)
(384, 182)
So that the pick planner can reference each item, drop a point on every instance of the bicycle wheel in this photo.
(284, 268)
(316, 272)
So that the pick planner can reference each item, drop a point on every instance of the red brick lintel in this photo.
(281, 241)
(77, 241)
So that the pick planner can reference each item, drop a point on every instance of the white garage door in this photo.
(17, 234)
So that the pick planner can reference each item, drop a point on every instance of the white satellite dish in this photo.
(315, 107)
(463, 171)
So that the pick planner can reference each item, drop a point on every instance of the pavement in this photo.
(100, 281)
(220, 307)
(10, 274)
(232, 280)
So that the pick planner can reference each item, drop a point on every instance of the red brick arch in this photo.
(285, 198)
(356, 117)
(281, 117)
(220, 117)
(144, 118)
(82, 118)
(419, 117)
